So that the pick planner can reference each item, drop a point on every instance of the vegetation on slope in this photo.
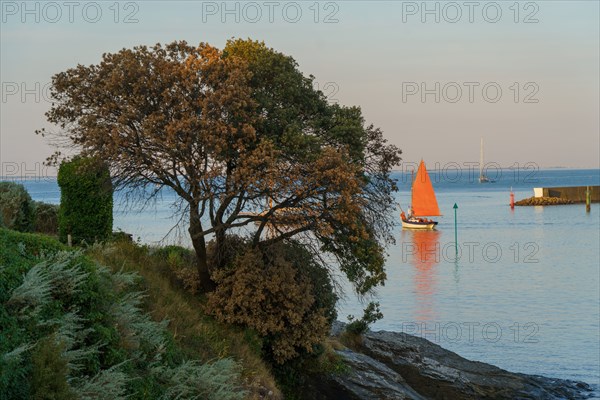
(166, 273)
(73, 329)
(19, 212)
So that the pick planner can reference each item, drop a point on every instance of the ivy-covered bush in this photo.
(281, 293)
(16, 207)
(86, 201)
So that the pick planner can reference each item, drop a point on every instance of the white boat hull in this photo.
(419, 225)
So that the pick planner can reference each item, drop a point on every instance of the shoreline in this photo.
(397, 365)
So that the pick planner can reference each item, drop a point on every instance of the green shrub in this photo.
(18, 253)
(45, 218)
(50, 371)
(360, 326)
(211, 381)
(16, 207)
(86, 202)
(176, 256)
(121, 236)
(181, 262)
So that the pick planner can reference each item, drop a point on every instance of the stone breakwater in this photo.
(576, 194)
(543, 201)
(391, 365)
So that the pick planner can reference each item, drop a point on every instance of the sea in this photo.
(518, 288)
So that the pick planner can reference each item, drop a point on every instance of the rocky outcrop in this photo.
(390, 365)
(543, 201)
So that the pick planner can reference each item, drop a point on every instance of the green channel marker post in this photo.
(455, 232)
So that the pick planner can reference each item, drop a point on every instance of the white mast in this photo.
(482, 177)
(481, 160)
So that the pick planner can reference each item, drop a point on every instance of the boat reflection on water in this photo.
(422, 251)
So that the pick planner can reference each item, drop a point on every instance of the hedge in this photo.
(86, 201)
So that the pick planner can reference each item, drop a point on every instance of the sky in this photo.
(436, 77)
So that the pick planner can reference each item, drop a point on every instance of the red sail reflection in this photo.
(424, 254)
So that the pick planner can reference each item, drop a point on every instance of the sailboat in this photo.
(424, 203)
(482, 177)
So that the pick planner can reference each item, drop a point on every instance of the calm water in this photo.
(524, 293)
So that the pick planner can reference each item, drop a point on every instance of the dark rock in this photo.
(390, 365)
(543, 201)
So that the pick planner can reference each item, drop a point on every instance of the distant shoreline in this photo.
(446, 166)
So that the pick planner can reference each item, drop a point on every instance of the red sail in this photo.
(423, 197)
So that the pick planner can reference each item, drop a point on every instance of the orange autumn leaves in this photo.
(243, 139)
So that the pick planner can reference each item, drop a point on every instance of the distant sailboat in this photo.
(424, 203)
(482, 177)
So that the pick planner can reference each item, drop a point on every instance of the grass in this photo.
(76, 303)
(198, 336)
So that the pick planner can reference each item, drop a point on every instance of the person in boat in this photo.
(410, 217)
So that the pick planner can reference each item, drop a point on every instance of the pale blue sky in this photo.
(371, 57)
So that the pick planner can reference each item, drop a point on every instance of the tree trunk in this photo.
(220, 248)
(195, 230)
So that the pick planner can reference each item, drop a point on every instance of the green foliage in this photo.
(121, 236)
(20, 251)
(198, 335)
(181, 262)
(282, 92)
(213, 381)
(108, 384)
(14, 368)
(73, 329)
(175, 256)
(45, 218)
(86, 201)
(360, 326)
(20, 213)
(16, 207)
(296, 376)
(50, 370)
(361, 259)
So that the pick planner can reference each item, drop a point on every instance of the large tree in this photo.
(245, 140)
